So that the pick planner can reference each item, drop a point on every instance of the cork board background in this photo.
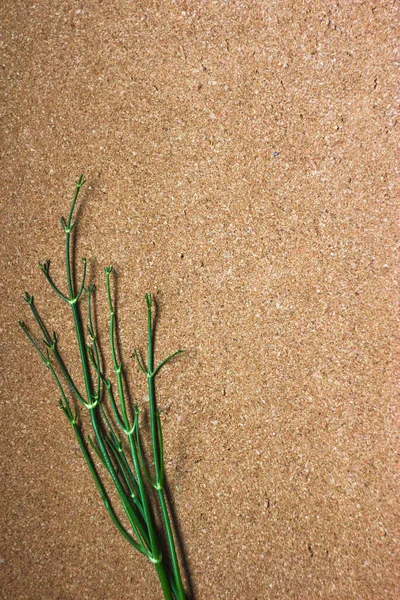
(240, 164)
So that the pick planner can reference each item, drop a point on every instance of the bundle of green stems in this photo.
(116, 430)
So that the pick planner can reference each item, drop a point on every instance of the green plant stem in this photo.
(158, 458)
(86, 377)
(127, 476)
(94, 414)
(125, 502)
(155, 546)
(164, 581)
(102, 492)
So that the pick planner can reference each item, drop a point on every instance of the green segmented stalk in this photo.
(126, 474)
(129, 431)
(158, 448)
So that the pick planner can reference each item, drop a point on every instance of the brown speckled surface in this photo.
(241, 165)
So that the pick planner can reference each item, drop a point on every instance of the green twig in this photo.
(126, 474)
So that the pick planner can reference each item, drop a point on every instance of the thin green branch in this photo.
(158, 449)
(112, 438)
(96, 355)
(33, 342)
(129, 430)
(161, 449)
(51, 342)
(78, 186)
(103, 493)
(127, 477)
(139, 524)
(83, 281)
(44, 267)
(162, 363)
(84, 356)
(117, 365)
(139, 362)
(142, 458)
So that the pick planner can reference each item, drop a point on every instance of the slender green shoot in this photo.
(115, 438)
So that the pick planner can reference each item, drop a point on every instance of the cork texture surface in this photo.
(240, 160)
